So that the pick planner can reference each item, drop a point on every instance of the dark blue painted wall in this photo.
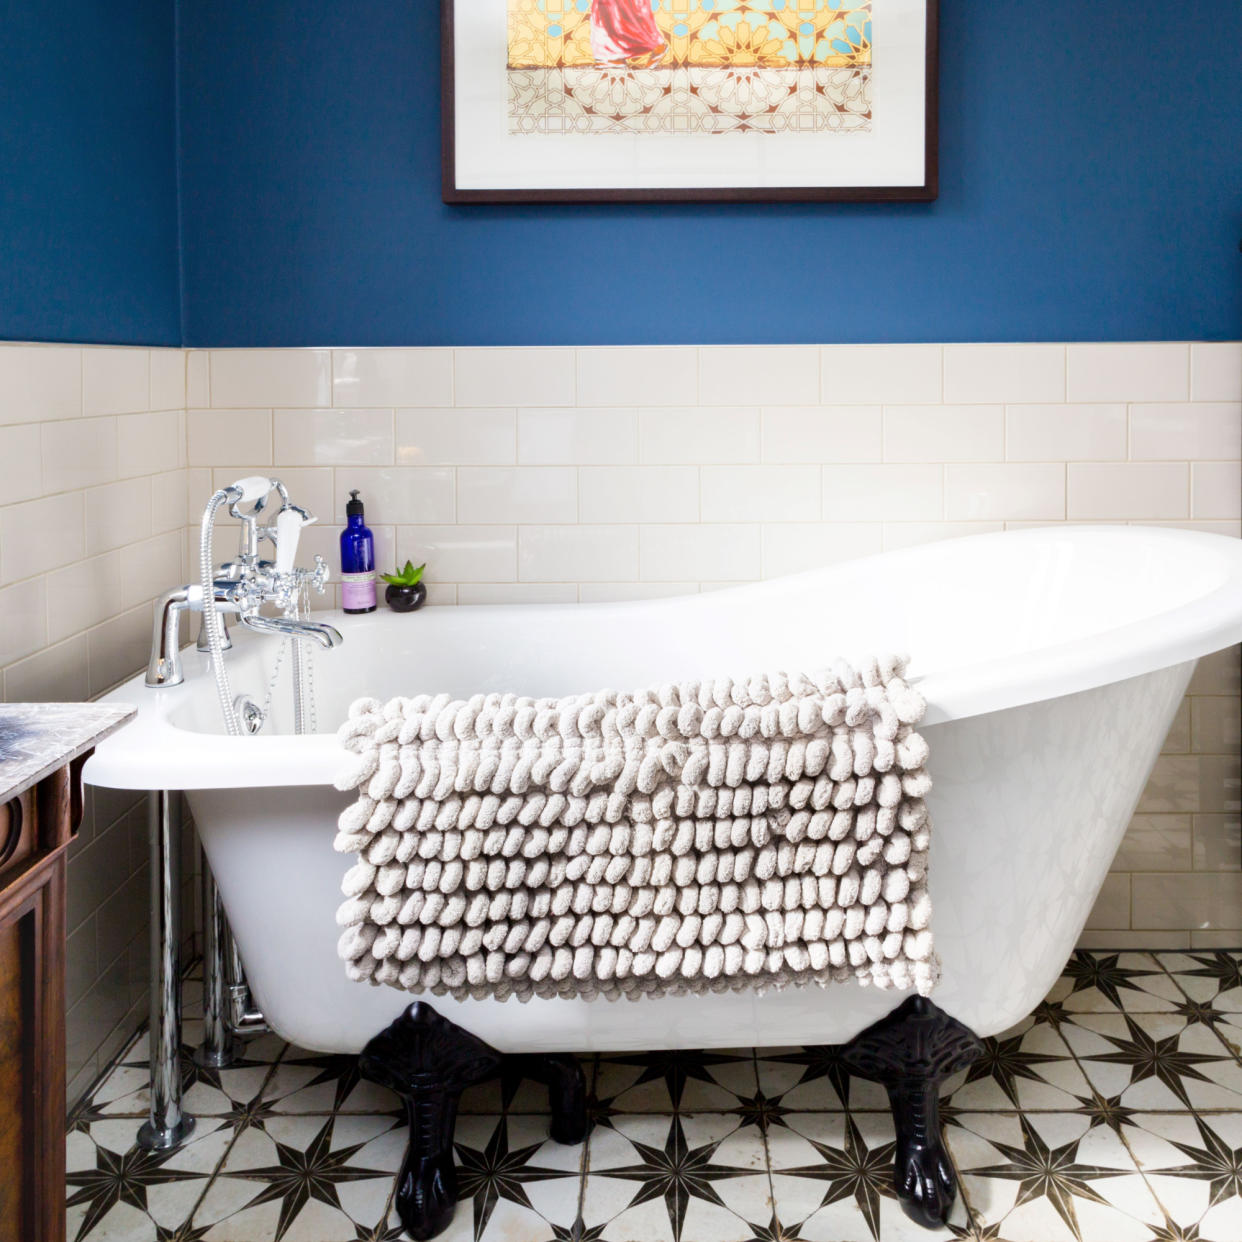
(88, 201)
(1091, 189)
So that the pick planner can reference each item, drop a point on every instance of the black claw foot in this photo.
(924, 1179)
(428, 1061)
(566, 1092)
(912, 1052)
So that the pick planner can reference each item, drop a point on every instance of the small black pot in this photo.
(405, 598)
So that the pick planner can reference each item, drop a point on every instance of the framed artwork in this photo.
(667, 100)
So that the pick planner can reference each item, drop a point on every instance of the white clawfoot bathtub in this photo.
(1052, 661)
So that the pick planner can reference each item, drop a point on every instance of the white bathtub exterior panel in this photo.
(1053, 661)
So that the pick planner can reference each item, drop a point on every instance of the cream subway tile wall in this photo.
(458, 437)
(758, 375)
(1216, 372)
(270, 377)
(651, 376)
(760, 493)
(1066, 432)
(1010, 374)
(689, 436)
(360, 437)
(1215, 490)
(1152, 371)
(639, 493)
(831, 433)
(881, 374)
(612, 473)
(1114, 491)
(40, 383)
(564, 437)
(512, 377)
(93, 497)
(392, 377)
(944, 433)
(1202, 431)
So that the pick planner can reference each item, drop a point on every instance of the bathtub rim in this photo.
(155, 753)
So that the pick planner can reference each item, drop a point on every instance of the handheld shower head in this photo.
(251, 490)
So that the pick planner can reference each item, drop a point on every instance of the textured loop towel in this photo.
(694, 837)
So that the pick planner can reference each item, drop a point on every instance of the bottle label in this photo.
(358, 590)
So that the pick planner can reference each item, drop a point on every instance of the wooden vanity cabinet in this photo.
(36, 827)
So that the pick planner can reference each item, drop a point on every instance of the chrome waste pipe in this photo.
(244, 1020)
(167, 1125)
(228, 1016)
(219, 1048)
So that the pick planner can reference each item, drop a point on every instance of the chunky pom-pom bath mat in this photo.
(693, 837)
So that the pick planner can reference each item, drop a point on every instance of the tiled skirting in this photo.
(1113, 1114)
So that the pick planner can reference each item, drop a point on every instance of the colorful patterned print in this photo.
(556, 34)
(689, 67)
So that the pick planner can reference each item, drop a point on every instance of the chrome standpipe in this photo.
(167, 1126)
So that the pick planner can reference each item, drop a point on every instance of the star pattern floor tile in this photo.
(1156, 1061)
(1112, 982)
(832, 1177)
(1112, 1114)
(665, 1082)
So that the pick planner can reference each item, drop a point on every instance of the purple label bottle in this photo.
(357, 560)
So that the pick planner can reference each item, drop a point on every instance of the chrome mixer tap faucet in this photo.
(243, 586)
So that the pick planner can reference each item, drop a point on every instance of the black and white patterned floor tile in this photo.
(1210, 976)
(1113, 1113)
(1114, 982)
(832, 1180)
(684, 1178)
(1051, 1177)
(1193, 1164)
(664, 1082)
(1156, 1061)
(303, 1179)
(117, 1192)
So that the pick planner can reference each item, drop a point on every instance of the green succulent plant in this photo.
(409, 576)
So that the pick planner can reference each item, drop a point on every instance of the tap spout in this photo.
(164, 667)
(326, 636)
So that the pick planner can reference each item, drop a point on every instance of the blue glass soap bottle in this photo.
(357, 560)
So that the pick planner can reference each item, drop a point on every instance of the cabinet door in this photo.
(32, 1074)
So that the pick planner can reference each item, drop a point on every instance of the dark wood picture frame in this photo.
(925, 193)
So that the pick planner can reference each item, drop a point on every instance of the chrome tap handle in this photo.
(251, 499)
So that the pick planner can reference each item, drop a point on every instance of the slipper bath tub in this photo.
(1052, 662)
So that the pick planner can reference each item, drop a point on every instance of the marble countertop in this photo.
(38, 738)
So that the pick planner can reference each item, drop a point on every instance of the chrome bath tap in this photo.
(243, 586)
